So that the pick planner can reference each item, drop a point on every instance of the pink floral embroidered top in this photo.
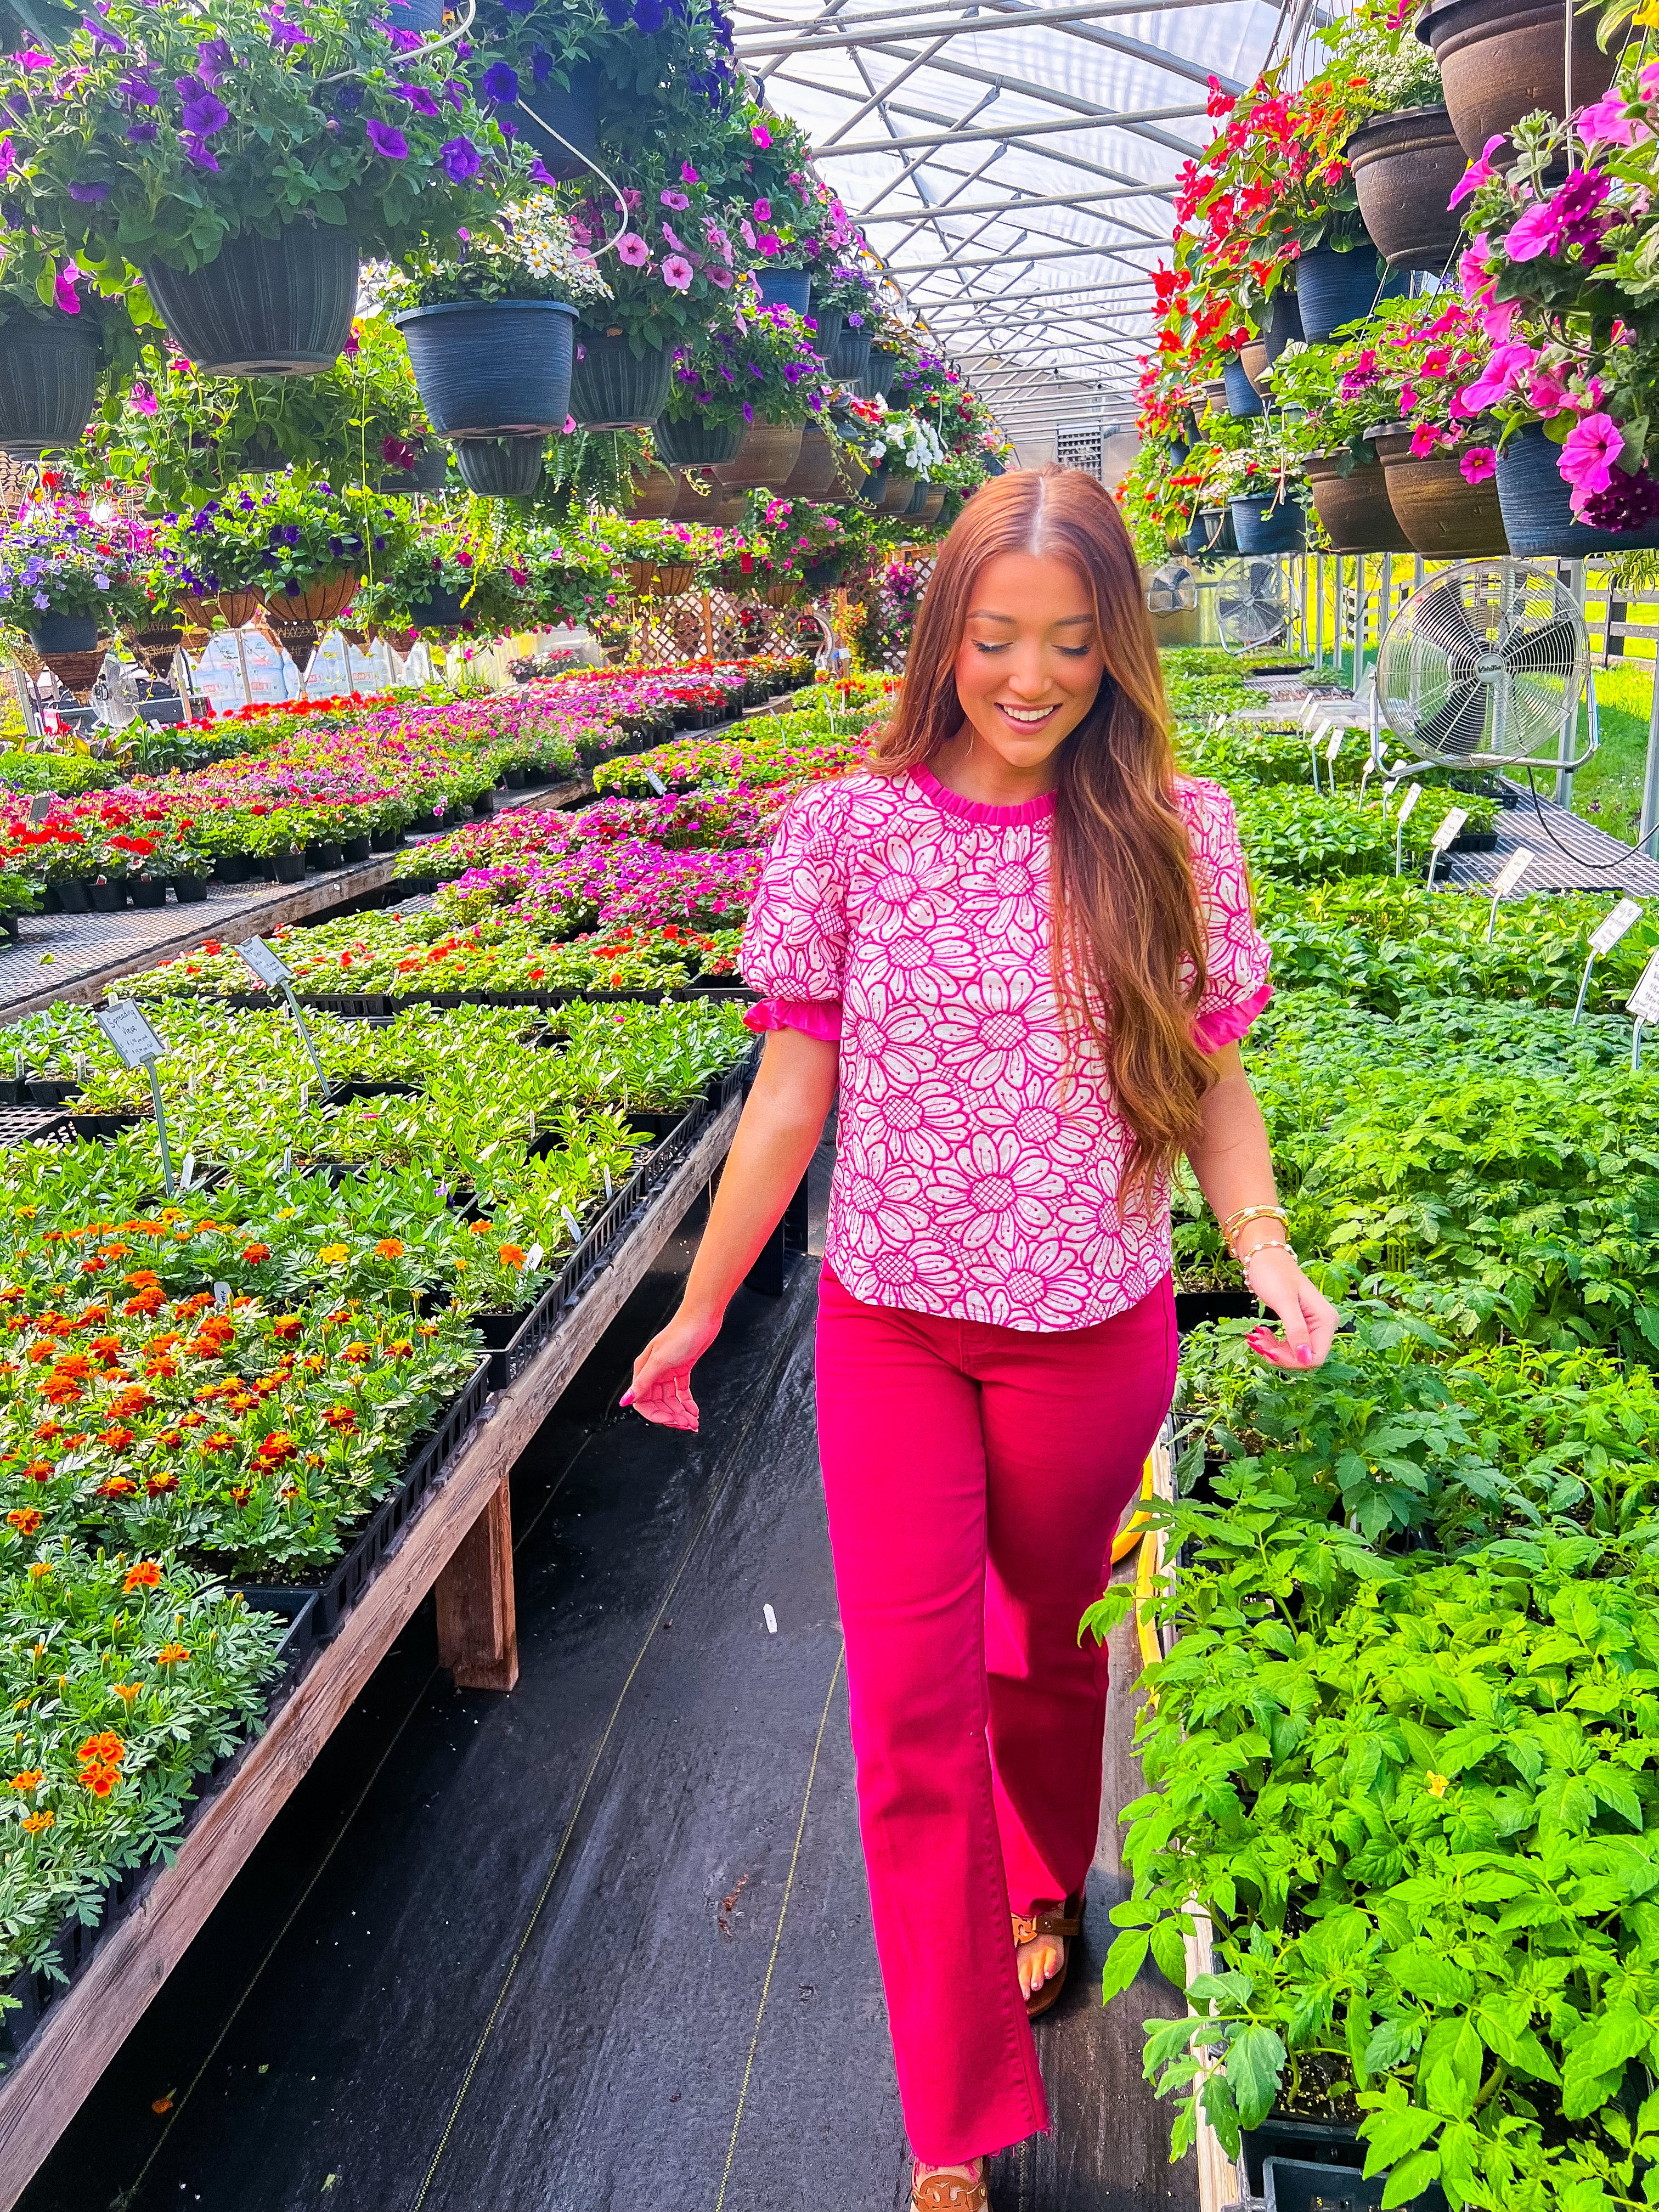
(978, 1176)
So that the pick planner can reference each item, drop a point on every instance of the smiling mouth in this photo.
(1027, 718)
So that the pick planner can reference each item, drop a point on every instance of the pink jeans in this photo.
(975, 1478)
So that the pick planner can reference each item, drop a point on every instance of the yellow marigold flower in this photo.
(1438, 1784)
(331, 1253)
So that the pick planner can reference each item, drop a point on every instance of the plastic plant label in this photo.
(534, 1256)
(1455, 816)
(221, 1297)
(187, 1172)
(572, 1224)
(1606, 934)
(127, 1027)
(270, 966)
(1335, 745)
(1413, 793)
(656, 783)
(1644, 1001)
(40, 806)
(1511, 872)
(608, 1191)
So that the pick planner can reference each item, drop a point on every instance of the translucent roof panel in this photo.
(1012, 164)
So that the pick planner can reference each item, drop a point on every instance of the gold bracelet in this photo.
(1245, 1214)
(1274, 1244)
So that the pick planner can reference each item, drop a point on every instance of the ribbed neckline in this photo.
(978, 809)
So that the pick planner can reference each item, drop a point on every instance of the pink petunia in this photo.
(758, 131)
(1474, 276)
(1424, 439)
(1606, 124)
(1647, 81)
(633, 249)
(1477, 463)
(1538, 232)
(1590, 455)
(1547, 393)
(768, 243)
(720, 277)
(1479, 171)
(763, 211)
(688, 174)
(677, 272)
(671, 199)
(1508, 364)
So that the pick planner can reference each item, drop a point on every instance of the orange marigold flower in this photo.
(287, 1325)
(341, 1417)
(38, 1470)
(389, 1248)
(30, 1779)
(511, 1255)
(145, 1302)
(24, 1518)
(117, 1485)
(160, 1368)
(403, 1349)
(254, 1253)
(34, 1822)
(480, 1229)
(159, 1486)
(73, 1366)
(171, 1654)
(240, 1494)
(358, 1354)
(92, 1267)
(220, 1440)
(126, 1691)
(192, 1420)
(146, 1574)
(116, 1438)
(133, 1400)
(144, 1278)
(101, 1780)
(107, 1749)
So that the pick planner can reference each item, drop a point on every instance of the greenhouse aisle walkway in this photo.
(604, 1943)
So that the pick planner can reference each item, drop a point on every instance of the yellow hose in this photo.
(1145, 1574)
(1126, 1539)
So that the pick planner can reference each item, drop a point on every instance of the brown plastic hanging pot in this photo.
(1355, 509)
(320, 604)
(767, 456)
(1500, 60)
(1444, 518)
(898, 494)
(813, 476)
(1253, 359)
(1405, 167)
(655, 495)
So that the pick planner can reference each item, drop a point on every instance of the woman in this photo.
(996, 1341)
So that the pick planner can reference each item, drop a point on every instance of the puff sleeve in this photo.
(794, 945)
(1235, 986)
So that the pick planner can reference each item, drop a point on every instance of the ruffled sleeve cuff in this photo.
(1228, 1023)
(818, 1018)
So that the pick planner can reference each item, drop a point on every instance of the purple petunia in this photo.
(461, 160)
(501, 84)
(203, 114)
(214, 60)
(418, 98)
(88, 194)
(385, 140)
(103, 36)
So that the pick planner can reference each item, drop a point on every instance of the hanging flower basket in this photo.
(828, 335)
(1253, 359)
(564, 128)
(814, 474)
(918, 498)
(660, 579)
(1443, 516)
(933, 506)
(299, 640)
(1356, 510)
(873, 490)
(1266, 526)
(698, 444)
(320, 603)
(48, 385)
(1500, 60)
(767, 455)
(785, 287)
(654, 495)
(1283, 322)
(431, 463)
(1537, 506)
(501, 468)
(1244, 400)
(852, 471)
(265, 307)
(849, 361)
(610, 390)
(70, 645)
(440, 610)
(1333, 289)
(1405, 167)
(898, 494)
(783, 594)
(692, 505)
(491, 368)
(1213, 530)
(154, 648)
(236, 608)
(884, 364)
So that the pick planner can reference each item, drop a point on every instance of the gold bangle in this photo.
(1245, 1214)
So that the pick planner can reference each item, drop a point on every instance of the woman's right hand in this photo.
(661, 1388)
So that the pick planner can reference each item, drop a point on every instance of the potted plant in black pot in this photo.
(51, 358)
(235, 166)
(744, 391)
(489, 329)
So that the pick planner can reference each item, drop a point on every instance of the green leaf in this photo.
(1448, 2067)
(1410, 2179)
(1124, 1960)
(1390, 2134)
(1391, 2041)
(1255, 2059)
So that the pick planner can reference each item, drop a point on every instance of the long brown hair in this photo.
(1129, 937)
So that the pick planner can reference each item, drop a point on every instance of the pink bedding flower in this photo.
(677, 272)
(1477, 463)
(633, 249)
(1424, 439)
(1606, 124)
(1479, 171)
(1508, 363)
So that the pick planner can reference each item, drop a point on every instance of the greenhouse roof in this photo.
(1012, 164)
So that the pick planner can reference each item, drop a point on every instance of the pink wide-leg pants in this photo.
(975, 1478)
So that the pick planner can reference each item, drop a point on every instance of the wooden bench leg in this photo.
(478, 1625)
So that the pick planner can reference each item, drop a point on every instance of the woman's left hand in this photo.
(1307, 1316)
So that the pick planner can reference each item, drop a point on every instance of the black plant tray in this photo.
(35, 1990)
(348, 1579)
(363, 1086)
(94, 1128)
(1301, 2185)
(1309, 2143)
(1475, 841)
(30, 1125)
(1194, 1307)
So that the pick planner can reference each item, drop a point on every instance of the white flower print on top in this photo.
(979, 1173)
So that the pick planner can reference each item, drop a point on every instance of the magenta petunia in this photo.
(671, 199)
(1480, 462)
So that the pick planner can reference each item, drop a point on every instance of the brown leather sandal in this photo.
(1067, 1924)
(948, 2192)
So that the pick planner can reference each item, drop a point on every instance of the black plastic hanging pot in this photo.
(48, 385)
(785, 287)
(1333, 289)
(611, 390)
(64, 634)
(500, 468)
(440, 610)
(424, 16)
(1242, 397)
(431, 462)
(828, 320)
(265, 307)
(1283, 322)
(874, 490)
(1265, 525)
(918, 498)
(850, 360)
(492, 369)
(883, 368)
(564, 126)
(1537, 504)
(697, 444)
